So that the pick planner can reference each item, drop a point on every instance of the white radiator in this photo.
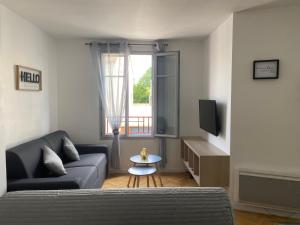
(269, 190)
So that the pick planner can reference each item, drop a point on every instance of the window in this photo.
(137, 121)
(140, 95)
(150, 114)
(166, 90)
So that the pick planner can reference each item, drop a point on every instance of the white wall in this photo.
(78, 109)
(265, 113)
(216, 83)
(24, 115)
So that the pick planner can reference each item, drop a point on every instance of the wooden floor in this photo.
(184, 180)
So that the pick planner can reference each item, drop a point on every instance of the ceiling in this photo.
(131, 19)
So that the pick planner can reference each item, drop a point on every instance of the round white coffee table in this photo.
(152, 160)
(138, 171)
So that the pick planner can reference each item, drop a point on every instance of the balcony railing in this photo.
(137, 126)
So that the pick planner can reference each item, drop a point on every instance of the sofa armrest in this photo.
(50, 183)
(94, 148)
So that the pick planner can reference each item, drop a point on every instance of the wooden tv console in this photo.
(208, 164)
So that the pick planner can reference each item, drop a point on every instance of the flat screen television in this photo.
(208, 116)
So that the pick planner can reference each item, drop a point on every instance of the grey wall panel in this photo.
(269, 191)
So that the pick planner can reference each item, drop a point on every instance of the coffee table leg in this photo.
(154, 182)
(134, 181)
(158, 174)
(138, 181)
(148, 181)
(128, 184)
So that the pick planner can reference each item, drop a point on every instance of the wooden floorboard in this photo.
(185, 180)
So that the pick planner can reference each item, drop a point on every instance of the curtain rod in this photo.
(90, 43)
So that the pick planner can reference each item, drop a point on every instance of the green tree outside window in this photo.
(142, 89)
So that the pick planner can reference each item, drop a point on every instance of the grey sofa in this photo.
(152, 206)
(26, 171)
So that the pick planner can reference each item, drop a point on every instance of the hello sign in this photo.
(28, 79)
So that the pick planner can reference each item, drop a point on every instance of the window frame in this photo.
(155, 77)
(102, 113)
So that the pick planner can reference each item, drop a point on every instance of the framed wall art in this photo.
(28, 79)
(266, 69)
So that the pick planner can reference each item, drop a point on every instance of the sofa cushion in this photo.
(53, 162)
(76, 178)
(47, 183)
(85, 176)
(98, 160)
(88, 160)
(70, 150)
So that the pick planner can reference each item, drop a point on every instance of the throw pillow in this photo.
(70, 150)
(53, 162)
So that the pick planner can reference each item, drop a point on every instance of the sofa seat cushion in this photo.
(88, 160)
(97, 160)
(85, 176)
(76, 178)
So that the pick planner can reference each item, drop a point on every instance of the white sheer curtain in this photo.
(111, 64)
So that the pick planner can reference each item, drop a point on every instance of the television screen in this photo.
(208, 116)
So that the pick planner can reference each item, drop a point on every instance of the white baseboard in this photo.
(265, 210)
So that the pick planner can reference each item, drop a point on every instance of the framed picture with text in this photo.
(28, 79)
(266, 69)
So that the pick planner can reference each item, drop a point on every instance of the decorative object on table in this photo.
(266, 69)
(28, 79)
(144, 154)
(145, 165)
